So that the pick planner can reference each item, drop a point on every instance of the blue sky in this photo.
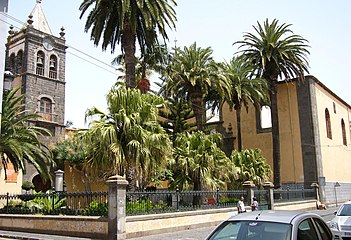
(217, 24)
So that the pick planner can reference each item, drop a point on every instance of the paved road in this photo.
(202, 233)
(193, 234)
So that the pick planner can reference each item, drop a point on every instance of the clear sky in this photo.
(217, 24)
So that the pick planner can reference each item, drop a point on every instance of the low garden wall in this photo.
(136, 226)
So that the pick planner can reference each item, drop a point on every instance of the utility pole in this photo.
(3, 10)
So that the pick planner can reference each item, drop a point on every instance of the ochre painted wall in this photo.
(336, 156)
(290, 147)
(13, 187)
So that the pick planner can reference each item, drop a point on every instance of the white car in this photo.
(273, 225)
(341, 223)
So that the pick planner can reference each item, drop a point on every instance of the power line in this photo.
(70, 47)
(114, 73)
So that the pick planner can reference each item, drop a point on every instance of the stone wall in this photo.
(136, 226)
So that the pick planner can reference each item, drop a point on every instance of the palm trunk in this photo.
(275, 135)
(238, 127)
(196, 104)
(131, 177)
(128, 43)
(197, 187)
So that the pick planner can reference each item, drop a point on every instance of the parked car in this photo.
(341, 223)
(273, 225)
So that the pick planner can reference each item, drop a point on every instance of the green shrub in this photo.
(97, 209)
(27, 185)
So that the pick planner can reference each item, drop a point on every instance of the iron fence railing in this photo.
(139, 203)
(290, 195)
(76, 203)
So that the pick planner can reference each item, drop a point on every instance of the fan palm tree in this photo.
(19, 142)
(192, 75)
(252, 166)
(244, 90)
(200, 162)
(125, 21)
(277, 53)
(128, 138)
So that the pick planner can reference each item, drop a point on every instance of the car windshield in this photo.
(345, 210)
(252, 230)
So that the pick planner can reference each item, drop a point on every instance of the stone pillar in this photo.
(268, 186)
(249, 186)
(117, 207)
(59, 180)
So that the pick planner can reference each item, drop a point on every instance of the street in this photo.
(193, 234)
(202, 233)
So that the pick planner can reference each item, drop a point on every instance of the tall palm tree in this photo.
(19, 142)
(244, 89)
(192, 75)
(128, 138)
(277, 53)
(125, 21)
(153, 60)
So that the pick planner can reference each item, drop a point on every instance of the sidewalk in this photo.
(329, 212)
(35, 236)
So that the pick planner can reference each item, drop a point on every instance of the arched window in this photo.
(40, 63)
(19, 62)
(45, 108)
(344, 141)
(13, 63)
(53, 67)
(328, 124)
(266, 120)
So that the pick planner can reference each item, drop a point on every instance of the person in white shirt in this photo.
(241, 205)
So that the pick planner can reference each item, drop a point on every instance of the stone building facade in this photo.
(37, 59)
(315, 137)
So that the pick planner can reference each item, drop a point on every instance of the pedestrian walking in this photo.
(254, 204)
(241, 205)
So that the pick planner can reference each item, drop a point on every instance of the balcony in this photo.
(52, 74)
(47, 117)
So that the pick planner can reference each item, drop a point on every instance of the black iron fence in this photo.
(139, 203)
(76, 203)
(291, 195)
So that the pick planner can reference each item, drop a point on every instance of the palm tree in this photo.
(128, 138)
(277, 54)
(122, 22)
(252, 166)
(153, 60)
(238, 73)
(192, 75)
(19, 142)
(199, 162)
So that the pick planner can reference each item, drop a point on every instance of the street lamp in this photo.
(336, 198)
(8, 80)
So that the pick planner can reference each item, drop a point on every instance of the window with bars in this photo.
(40, 63)
(53, 67)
